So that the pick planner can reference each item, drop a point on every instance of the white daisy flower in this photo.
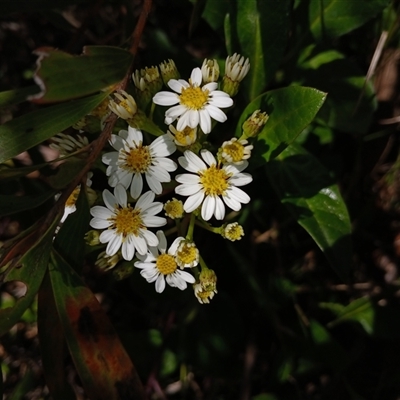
(197, 104)
(209, 182)
(132, 159)
(126, 226)
(160, 265)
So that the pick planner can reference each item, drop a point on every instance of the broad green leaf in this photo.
(103, 365)
(308, 192)
(52, 343)
(333, 18)
(70, 239)
(11, 204)
(24, 385)
(290, 110)
(16, 96)
(360, 310)
(31, 272)
(26, 131)
(351, 103)
(214, 12)
(63, 76)
(261, 28)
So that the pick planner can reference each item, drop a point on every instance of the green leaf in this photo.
(306, 189)
(351, 103)
(16, 96)
(31, 272)
(261, 28)
(8, 173)
(11, 204)
(103, 365)
(70, 239)
(27, 131)
(215, 11)
(63, 76)
(333, 18)
(52, 343)
(290, 110)
(360, 310)
(66, 173)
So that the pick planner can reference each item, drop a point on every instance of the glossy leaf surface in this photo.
(261, 28)
(290, 111)
(308, 192)
(333, 18)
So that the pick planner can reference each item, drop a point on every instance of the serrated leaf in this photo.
(31, 272)
(11, 204)
(308, 192)
(98, 68)
(261, 28)
(103, 365)
(333, 18)
(290, 110)
(33, 128)
(16, 96)
(360, 310)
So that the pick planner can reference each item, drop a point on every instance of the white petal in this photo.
(109, 200)
(219, 209)
(135, 136)
(175, 281)
(128, 250)
(232, 202)
(101, 212)
(140, 244)
(145, 200)
(238, 194)
(153, 183)
(165, 98)
(107, 235)
(190, 179)
(151, 238)
(165, 163)
(136, 185)
(220, 99)
(114, 245)
(186, 276)
(160, 284)
(216, 113)
(193, 201)
(241, 179)
(196, 77)
(177, 86)
(154, 222)
(205, 121)
(162, 241)
(97, 223)
(175, 112)
(110, 158)
(191, 162)
(163, 146)
(174, 246)
(120, 195)
(158, 173)
(211, 86)
(188, 189)
(208, 157)
(208, 208)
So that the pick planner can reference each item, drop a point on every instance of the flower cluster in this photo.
(197, 185)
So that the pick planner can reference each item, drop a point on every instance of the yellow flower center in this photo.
(174, 208)
(234, 150)
(125, 105)
(187, 254)
(128, 221)
(194, 97)
(137, 159)
(73, 197)
(166, 264)
(214, 181)
(101, 110)
(185, 137)
(233, 232)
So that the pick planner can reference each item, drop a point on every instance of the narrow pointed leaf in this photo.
(308, 192)
(103, 365)
(63, 76)
(52, 343)
(16, 96)
(31, 272)
(262, 31)
(290, 111)
(11, 204)
(333, 18)
(27, 131)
